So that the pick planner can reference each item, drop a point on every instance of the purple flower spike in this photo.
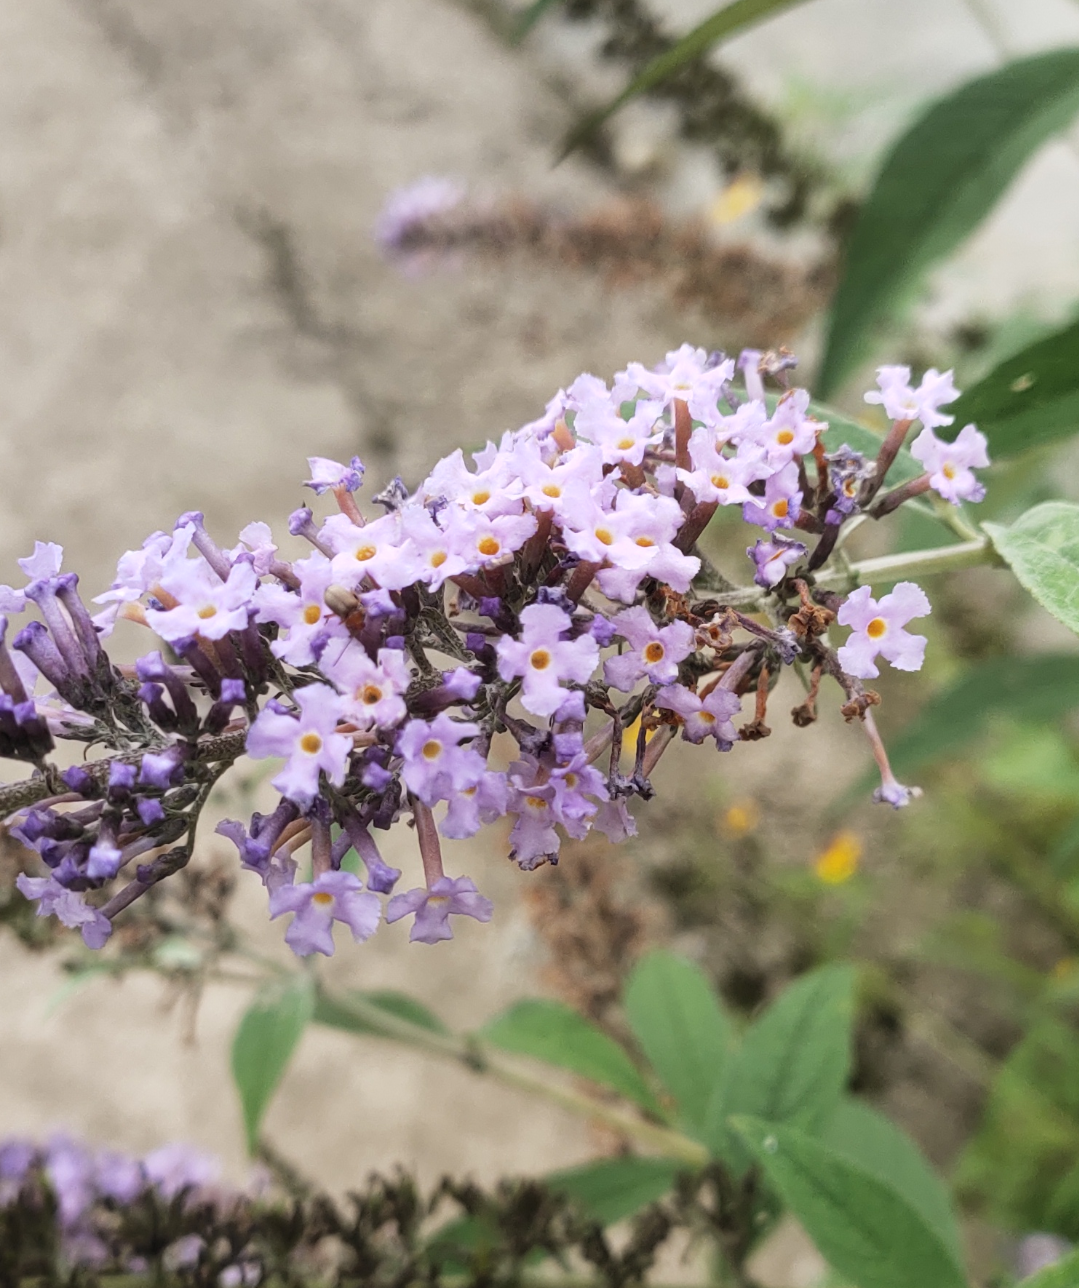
(878, 628)
(448, 897)
(333, 896)
(69, 907)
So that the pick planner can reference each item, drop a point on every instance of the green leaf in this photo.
(936, 185)
(676, 1017)
(1042, 549)
(1065, 1274)
(557, 1035)
(794, 1062)
(725, 22)
(871, 1141)
(264, 1043)
(1039, 688)
(529, 18)
(399, 1005)
(1030, 399)
(863, 1226)
(615, 1188)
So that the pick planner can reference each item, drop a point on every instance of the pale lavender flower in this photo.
(176, 1167)
(373, 692)
(68, 906)
(950, 466)
(333, 896)
(309, 740)
(654, 651)
(877, 627)
(708, 717)
(411, 206)
(436, 766)
(327, 475)
(203, 603)
(447, 897)
(544, 660)
(902, 402)
(780, 504)
(470, 808)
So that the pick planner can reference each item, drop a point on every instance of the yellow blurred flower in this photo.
(630, 735)
(741, 817)
(1065, 967)
(741, 196)
(838, 861)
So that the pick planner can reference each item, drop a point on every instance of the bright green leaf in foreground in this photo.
(794, 1061)
(722, 24)
(557, 1035)
(1030, 399)
(676, 1017)
(862, 1225)
(264, 1043)
(1042, 549)
(868, 1139)
(937, 184)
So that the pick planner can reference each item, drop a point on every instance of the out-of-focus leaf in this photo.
(677, 1018)
(725, 22)
(615, 1188)
(1020, 1168)
(529, 18)
(399, 1005)
(862, 1225)
(937, 184)
(1042, 687)
(557, 1035)
(1042, 549)
(1030, 399)
(794, 1061)
(1065, 1274)
(870, 1140)
(264, 1043)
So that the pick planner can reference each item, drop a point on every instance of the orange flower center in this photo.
(323, 899)
(949, 471)
(604, 537)
(431, 750)
(876, 628)
(785, 437)
(654, 652)
(645, 541)
(489, 546)
(311, 614)
(207, 612)
(438, 558)
(540, 660)
(536, 802)
(364, 553)
(553, 490)
(781, 509)
(720, 481)
(479, 498)
(371, 694)
(311, 743)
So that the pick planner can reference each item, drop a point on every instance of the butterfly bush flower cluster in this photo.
(85, 1186)
(519, 637)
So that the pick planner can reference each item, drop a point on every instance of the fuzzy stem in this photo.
(480, 1058)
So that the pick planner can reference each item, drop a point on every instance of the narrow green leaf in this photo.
(676, 1017)
(264, 1043)
(937, 184)
(794, 1062)
(615, 1188)
(1065, 1274)
(399, 1005)
(529, 18)
(1029, 400)
(557, 1035)
(722, 24)
(870, 1140)
(862, 1226)
(1042, 549)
